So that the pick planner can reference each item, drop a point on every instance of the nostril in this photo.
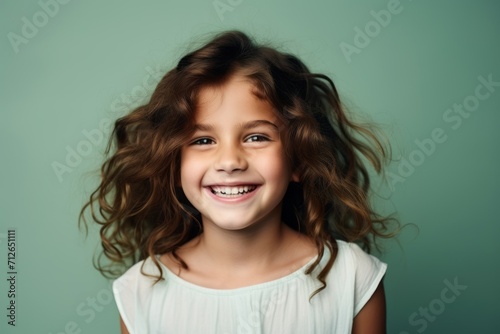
(231, 161)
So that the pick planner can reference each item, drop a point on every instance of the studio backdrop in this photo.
(428, 72)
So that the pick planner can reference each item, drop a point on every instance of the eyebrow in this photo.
(259, 122)
(244, 126)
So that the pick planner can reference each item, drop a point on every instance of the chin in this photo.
(231, 226)
(232, 223)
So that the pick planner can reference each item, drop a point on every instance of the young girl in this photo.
(238, 196)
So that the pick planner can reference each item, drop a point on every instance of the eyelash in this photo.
(258, 137)
(208, 141)
(202, 141)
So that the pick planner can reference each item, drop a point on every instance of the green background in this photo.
(89, 61)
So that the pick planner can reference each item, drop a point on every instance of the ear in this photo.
(295, 177)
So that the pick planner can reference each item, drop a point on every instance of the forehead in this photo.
(238, 97)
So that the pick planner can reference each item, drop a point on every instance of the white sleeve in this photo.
(133, 292)
(369, 271)
(125, 293)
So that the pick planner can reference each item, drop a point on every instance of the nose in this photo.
(230, 158)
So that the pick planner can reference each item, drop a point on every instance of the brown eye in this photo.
(202, 141)
(256, 138)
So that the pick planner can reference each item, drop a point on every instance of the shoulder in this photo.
(133, 290)
(135, 274)
(351, 259)
(137, 283)
(362, 270)
(353, 254)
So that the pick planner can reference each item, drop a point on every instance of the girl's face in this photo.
(233, 169)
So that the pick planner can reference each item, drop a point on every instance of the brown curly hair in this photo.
(143, 211)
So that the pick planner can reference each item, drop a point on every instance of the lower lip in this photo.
(234, 199)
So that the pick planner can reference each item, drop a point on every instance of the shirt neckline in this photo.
(169, 275)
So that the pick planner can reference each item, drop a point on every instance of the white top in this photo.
(174, 305)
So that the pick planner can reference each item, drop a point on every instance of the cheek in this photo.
(275, 167)
(190, 170)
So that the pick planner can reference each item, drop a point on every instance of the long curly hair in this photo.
(142, 210)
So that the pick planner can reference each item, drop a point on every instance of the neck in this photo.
(256, 247)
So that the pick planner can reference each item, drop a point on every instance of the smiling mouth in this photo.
(224, 191)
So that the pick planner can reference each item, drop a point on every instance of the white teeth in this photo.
(232, 191)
